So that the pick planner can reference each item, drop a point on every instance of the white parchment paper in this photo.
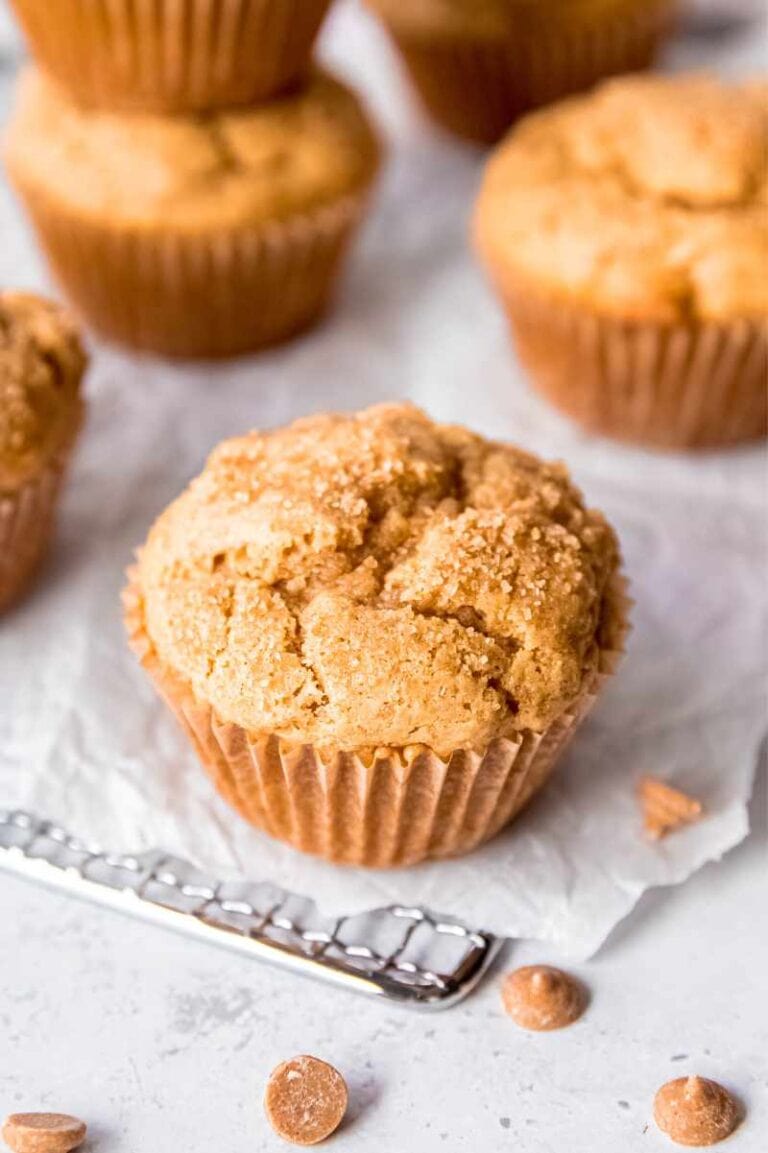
(83, 738)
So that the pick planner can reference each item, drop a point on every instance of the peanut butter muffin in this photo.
(199, 236)
(185, 56)
(41, 367)
(627, 235)
(378, 632)
(480, 64)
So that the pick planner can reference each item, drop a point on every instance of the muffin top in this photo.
(492, 19)
(647, 199)
(41, 364)
(379, 580)
(255, 165)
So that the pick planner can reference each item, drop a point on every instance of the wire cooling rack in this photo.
(404, 954)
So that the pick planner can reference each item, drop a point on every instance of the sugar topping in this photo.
(41, 365)
(378, 579)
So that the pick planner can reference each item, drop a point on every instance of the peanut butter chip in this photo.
(695, 1111)
(539, 997)
(664, 808)
(43, 1132)
(305, 1100)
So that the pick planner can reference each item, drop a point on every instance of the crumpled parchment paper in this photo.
(84, 740)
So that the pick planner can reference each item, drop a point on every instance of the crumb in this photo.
(664, 808)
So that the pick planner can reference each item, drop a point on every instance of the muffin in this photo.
(186, 56)
(479, 64)
(198, 236)
(378, 632)
(627, 235)
(41, 367)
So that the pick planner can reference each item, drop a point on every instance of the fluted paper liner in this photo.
(186, 56)
(478, 88)
(27, 515)
(388, 808)
(196, 293)
(695, 384)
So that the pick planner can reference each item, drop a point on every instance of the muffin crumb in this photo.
(695, 1111)
(306, 1100)
(664, 808)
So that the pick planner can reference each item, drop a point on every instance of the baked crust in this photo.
(41, 365)
(379, 580)
(190, 173)
(647, 200)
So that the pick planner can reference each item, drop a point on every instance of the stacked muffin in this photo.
(193, 179)
(479, 64)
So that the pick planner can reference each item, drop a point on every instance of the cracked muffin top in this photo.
(259, 164)
(379, 580)
(41, 365)
(646, 199)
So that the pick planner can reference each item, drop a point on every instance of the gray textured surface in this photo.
(164, 1045)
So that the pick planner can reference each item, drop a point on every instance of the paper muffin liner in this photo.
(187, 56)
(691, 385)
(390, 807)
(478, 88)
(195, 293)
(27, 517)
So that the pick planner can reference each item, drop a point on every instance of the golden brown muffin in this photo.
(378, 630)
(41, 367)
(627, 235)
(196, 236)
(180, 57)
(480, 64)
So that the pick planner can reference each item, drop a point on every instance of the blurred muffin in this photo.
(186, 56)
(378, 632)
(195, 236)
(479, 64)
(627, 235)
(41, 367)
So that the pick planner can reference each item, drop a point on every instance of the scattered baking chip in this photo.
(664, 808)
(305, 1100)
(43, 1132)
(540, 997)
(695, 1111)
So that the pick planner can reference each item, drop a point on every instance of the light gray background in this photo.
(164, 1045)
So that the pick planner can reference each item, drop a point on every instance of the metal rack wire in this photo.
(404, 954)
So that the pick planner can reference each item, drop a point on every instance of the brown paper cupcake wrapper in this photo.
(187, 56)
(478, 88)
(687, 385)
(392, 807)
(27, 516)
(198, 293)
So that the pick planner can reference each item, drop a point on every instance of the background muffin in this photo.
(195, 236)
(186, 56)
(627, 235)
(377, 631)
(41, 367)
(479, 64)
